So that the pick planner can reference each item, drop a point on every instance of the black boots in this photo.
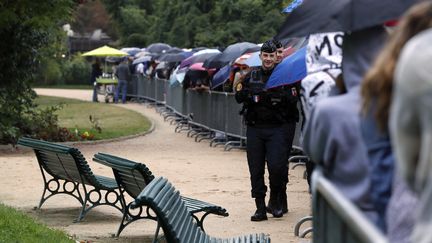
(275, 206)
(260, 213)
(282, 202)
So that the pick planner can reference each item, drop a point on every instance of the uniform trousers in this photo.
(268, 144)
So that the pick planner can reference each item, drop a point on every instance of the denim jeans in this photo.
(121, 86)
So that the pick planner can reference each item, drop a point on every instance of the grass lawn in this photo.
(114, 121)
(18, 227)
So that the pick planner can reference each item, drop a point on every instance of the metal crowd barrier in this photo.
(336, 219)
(217, 112)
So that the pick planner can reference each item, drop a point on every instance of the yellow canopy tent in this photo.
(106, 51)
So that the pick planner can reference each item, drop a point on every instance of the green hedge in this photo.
(77, 70)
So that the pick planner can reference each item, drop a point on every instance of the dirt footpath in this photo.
(196, 169)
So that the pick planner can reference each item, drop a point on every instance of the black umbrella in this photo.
(231, 53)
(174, 50)
(173, 57)
(158, 47)
(197, 58)
(320, 16)
(215, 62)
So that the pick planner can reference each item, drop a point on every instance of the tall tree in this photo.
(26, 27)
(190, 23)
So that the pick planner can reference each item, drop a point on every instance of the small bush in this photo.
(43, 123)
(49, 72)
(77, 70)
(40, 123)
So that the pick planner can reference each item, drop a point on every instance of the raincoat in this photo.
(411, 126)
(332, 137)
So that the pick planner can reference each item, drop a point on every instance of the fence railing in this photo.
(336, 219)
(217, 111)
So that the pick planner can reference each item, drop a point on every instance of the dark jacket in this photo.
(123, 72)
(264, 107)
(96, 72)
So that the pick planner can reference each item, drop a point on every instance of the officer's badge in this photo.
(239, 87)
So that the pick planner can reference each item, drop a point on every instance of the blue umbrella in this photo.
(131, 50)
(221, 76)
(290, 70)
(293, 5)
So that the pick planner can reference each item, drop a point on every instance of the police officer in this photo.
(270, 116)
(279, 51)
(283, 198)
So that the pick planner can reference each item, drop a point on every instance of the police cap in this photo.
(277, 43)
(268, 47)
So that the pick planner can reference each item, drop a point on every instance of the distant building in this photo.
(86, 42)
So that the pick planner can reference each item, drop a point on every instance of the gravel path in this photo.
(196, 169)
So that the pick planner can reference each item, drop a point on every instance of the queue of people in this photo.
(372, 140)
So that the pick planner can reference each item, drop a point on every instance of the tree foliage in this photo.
(27, 28)
(90, 16)
(192, 23)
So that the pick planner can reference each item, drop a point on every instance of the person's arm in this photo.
(115, 71)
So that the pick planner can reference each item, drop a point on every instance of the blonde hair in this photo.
(377, 85)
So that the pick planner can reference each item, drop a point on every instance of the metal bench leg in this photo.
(200, 222)
(155, 239)
(128, 218)
(102, 199)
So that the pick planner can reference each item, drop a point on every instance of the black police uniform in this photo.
(271, 116)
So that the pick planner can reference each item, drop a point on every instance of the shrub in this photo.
(77, 70)
(49, 72)
(42, 123)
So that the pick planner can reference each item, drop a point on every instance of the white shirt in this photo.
(140, 68)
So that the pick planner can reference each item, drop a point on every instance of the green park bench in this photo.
(133, 177)
(175, 219)
(65, 171)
